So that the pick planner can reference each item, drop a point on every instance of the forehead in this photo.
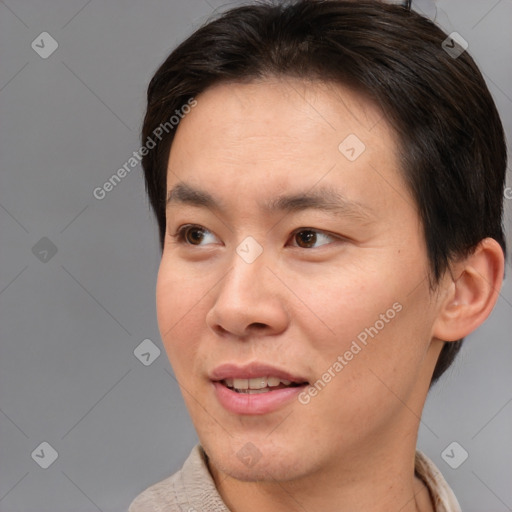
(281, 135)
(314, 103)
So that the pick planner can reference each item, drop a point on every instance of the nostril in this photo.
(258, 325)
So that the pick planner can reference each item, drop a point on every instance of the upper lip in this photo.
(251, 370)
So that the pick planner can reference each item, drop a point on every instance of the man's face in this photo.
(335, 296)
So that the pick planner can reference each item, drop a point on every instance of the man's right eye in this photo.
(190, 234)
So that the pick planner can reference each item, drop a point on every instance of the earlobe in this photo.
(471, 293)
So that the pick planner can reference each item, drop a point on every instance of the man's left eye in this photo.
(307, 238)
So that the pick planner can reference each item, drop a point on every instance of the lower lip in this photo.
(257, 403)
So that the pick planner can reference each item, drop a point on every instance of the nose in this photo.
(249, 301)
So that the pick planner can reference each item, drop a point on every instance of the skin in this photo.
(300, 305)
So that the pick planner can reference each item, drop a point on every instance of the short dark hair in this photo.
(451, 141)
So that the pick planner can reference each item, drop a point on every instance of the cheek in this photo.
(344, 301)
(180, 314)
(376, 314)
(384, 353)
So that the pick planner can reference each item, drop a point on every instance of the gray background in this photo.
(70, 321)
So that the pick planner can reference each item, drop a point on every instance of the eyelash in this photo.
(179, 235)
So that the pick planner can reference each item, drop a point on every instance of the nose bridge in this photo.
(246, 296)
(248, 273)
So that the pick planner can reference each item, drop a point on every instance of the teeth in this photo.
(273, 381)
(241, 383)
(257, 384)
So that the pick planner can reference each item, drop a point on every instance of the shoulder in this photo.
(443, 498)
(191, 489)
(158, 496)
(168, 495)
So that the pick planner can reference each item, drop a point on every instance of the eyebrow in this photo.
(323, 198)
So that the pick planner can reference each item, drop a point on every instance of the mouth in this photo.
(255, 388)
(258, 385)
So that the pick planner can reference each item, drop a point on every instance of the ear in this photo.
(471, 291)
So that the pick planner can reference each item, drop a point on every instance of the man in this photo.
(330, 205)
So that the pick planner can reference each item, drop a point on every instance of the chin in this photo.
(257, 461)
